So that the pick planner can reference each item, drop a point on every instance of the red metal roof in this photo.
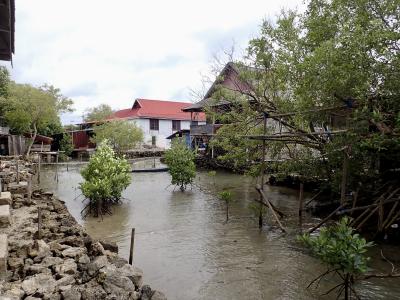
(157, 109)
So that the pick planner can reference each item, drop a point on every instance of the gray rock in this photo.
(133, 273)
(14, 292)
(84, 259)
(15, 263)
(54, 296)
(50, 261)
(67, 267)
(96, 249)
(146, 292)
(71, 294)
(65, 281)
(74, 252)
(40, 283)
(115, 284)
(36, 269)
(98, 263)
(93, 291)
(110, 246)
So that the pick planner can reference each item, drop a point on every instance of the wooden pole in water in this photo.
(39, 162)
(56, 175)
(301, 200)
(17, 169)
(132, 245)
(39, 223)
(344, 179)
(29, 186)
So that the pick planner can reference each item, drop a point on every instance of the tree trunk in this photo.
(346, 287)
(28, 151)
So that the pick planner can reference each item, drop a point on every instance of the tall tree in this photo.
(98, 113)
(33, 110)
(4, 81)
(337, 53)
(120, 134)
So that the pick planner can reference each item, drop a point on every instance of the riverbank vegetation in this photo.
(320, 90)
(31, 110)
(105, 178)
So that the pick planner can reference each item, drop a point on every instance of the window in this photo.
(154, 124)
(176, 125)
(195, 123)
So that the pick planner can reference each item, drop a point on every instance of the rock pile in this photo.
(63, 261)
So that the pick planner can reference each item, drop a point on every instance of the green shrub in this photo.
(180, 161)
(106, 176)
(342, 250)
(227, 197)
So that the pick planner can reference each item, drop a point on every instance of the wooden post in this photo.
(39, 223)
(39, 162)
(29, 186)
(17, 170)
(56, 175)
(132, 245)
(301, 200)
(344, 178)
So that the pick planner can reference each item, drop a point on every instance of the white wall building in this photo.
(159, 119)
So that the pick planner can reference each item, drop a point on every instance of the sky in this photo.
(112, 52)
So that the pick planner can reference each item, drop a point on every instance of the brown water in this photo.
(187, 251)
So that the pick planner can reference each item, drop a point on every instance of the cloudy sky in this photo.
(112, 52)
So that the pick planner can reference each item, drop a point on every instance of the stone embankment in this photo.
(55, 258)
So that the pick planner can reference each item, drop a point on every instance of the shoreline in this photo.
(61, 261)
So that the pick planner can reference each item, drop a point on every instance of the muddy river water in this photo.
(187, 251)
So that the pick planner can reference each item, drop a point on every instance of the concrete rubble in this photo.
(64, 262)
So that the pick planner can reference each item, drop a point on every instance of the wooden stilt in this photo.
(39, 166)
(39, 223)
(301, 200)
(271, 208)
(132, 245)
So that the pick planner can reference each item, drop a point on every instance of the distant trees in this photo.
(4, 82)
(28, 109)
(66, 145)
(98, 113)
(180, 161)
(121, 135)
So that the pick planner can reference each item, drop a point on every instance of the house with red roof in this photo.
(159, 119)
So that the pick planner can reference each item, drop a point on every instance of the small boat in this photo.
(151, 170)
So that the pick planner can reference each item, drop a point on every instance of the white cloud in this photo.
(111, 52)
